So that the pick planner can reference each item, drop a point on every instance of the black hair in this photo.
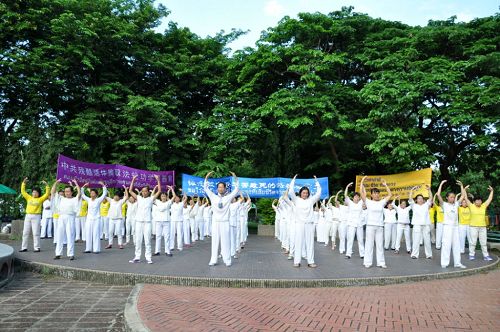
(147, 187)
(420, 196)
(449, 193)
(374, 190)
(94, 190)
(66, 187)
(356, 194)
(478, 198)
(304, 188)
(37, 189)
(223, 183)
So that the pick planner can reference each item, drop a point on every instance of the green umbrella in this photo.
(7, 190)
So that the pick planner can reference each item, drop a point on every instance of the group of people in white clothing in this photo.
(380, 223)
(139, 216)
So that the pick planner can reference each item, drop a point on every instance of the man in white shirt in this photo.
(220, 229)
(374, 224)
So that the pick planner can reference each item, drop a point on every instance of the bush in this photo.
(265, 211)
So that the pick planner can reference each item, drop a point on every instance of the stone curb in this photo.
(122, 278)
(133, 321)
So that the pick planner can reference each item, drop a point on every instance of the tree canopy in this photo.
(334, 95)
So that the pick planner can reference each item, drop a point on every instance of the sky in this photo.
(207, 17)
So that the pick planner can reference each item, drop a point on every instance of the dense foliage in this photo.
(330, 95)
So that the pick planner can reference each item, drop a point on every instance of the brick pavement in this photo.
(463, 304)
(34, 303)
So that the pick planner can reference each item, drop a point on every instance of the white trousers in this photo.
(56, 230)
(173, 230)
(193, 225)
(342, 236)
(450, 243)
(129, 229)
(390, 236)
(31, 225)
(359, 233)
(244, 231)
(374, 234)
(93, 233)
(143, 233)
(179, 230)
(66, 225)
(105, 227)
(400, 230)
(333, 232)
(475, 233)
(200, 233)
(162, 230)
(80, 228)
(46, 227)
(221, 235)
(116, 228)
(291, 237)
(463, 231)
(208, 227)
(285, 235)
(233, 231)
(186, 231)
(421, 232)
(439, 235)
(276, 228)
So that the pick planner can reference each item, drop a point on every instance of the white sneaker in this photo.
(150, 262)
(461, 266)
(383, 266)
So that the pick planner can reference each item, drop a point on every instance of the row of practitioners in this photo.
(386, 222)
(138, 215)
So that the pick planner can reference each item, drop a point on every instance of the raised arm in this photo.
(234, 193)
(362, 189)
(316, 197)
(346, 191)
(104, 192)
(78, 190)
(209, 193)
(389, 194)
(54, 187)
(158, 184)
(337, 204)
(47, 190)
(490, 197)
(291, 192)
(131, 187)
(125, 193)
(438, 194)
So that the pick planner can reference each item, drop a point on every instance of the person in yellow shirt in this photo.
(463, 225)
(104, 219)
(477, 227)
(439, 223)
(80, 221)
(34, 205)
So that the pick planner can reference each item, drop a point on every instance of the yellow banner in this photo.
(400, 184)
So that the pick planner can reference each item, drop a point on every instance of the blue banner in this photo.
(255, 187)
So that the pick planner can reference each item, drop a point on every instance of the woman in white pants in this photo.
(33, 216)
(478, 225)
(93, 224)
(46, 219)
(344, 215)
(180, 211)
(143, 219)
(187, 223)
(199, 220)
(304, 226)
(390, 222)
(220, 220)
(439, 222)
(207, 218)
(335, 219)
(130, 219)
(234, 220)
(162, 221)
(276, 219)
(246, 206)
(421, 221)
(115, 217)
(403, 225)
(67, 207)
(354, 223)
(463, 224)
(451, 238)
(374, 224)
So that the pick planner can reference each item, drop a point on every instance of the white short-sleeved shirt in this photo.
(450, 213)
(354, 213)
(176, 211)
(144, 208)
(131, 210)
(420, 213)
(375, 210)
(403, 215)
(47, 209)
(390, 216)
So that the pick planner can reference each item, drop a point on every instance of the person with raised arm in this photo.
(130, 219)
(335, 211)
(403, 224)
(220, 219)
(34, 205)
(374, 223)
(451, 238)
(304, 222)
(67, 207)
(421, 222)
(143, 219)
(464, 223)
(181, 214)
(115, 218)
(478, 224)
(93, 225)
(354, 222)
(234, 220)
(162, 220)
